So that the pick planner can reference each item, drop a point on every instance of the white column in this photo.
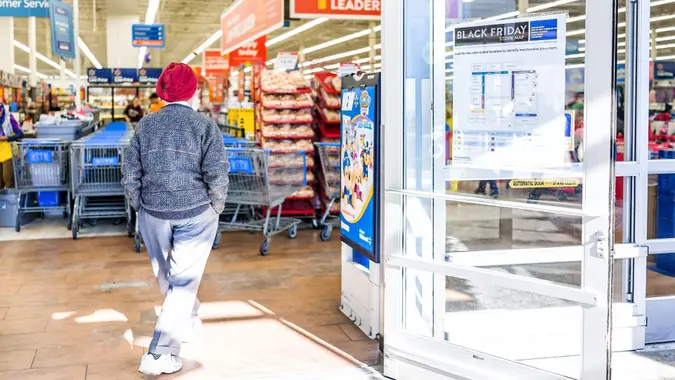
(6, 44)
(32, 44)
(371, 43)
(118, 38)
(78, 70)
(62, 73)
(523, 5)
(653, 45)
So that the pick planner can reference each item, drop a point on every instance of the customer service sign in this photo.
(24, 8)
(337, 9)
(248, 20)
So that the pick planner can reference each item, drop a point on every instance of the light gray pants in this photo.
(178, 251)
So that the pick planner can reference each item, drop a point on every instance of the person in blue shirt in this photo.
(9, 131)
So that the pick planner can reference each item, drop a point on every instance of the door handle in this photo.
(601, 244)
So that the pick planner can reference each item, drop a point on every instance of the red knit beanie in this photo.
(177, 83)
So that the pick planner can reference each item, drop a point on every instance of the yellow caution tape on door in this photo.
(542, 183)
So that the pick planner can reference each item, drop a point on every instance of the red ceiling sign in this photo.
(248, 20)
(215, 64)
(250, 53)
(337, 9)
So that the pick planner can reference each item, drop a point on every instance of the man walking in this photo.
(175, 176)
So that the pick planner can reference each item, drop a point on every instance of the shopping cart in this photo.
(329, 154)
(96, 163)
(231, 130)
(254, 184)
(41, 168)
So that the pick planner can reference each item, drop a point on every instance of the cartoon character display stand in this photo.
(360, 200)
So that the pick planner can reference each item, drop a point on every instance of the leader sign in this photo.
(24, 8)
(336, 9)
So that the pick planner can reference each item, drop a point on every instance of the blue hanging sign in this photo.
(120, 76)
(621, 73)
(99, 76)
(24, 8)
(664, 70)
(148, 35)
(61, 23)
(149, 76)
(358, 202)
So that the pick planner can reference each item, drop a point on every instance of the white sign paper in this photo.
(286, 62)
(509, 93)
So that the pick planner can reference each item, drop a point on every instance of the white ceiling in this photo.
(190, 22)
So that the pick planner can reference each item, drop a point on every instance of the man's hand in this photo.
(3, 138)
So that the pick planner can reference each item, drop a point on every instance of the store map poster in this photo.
(509, 93)
(357, 204)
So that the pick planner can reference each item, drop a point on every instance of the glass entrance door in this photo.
(499, 204)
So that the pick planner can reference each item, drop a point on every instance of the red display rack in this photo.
(301, 204)
(326, 130)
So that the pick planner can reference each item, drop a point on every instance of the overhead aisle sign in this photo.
(149, 75)
(24, 8)
(215, 64)
(61, 23)
(250, 53)
(148, 35)
(248, 20)
(99, 76)
(337, 9)
(509, 93)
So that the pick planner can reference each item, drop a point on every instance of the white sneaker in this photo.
(165, 364)
(192, 334)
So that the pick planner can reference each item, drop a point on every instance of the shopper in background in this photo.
(482, 185)
(9, 131)
(666, 115)
(578, 103)
(134, 112)
(155, 103)
(175, 175)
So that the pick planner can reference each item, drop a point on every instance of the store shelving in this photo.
(284, 116)
(327, 89)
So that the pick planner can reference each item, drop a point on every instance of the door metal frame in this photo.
(430, 354)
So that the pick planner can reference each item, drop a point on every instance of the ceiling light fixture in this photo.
(296, 31)
(88, 53)
(27, 70)
(341, 55)
(150, 14)
(550, 5)
(42, 58)
(334, 42)
(205, 45)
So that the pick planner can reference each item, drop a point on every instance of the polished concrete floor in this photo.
(75, 310)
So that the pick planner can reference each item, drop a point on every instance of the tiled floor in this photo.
(74, 310)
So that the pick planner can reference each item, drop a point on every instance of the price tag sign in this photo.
(348, 69)
(286, 62)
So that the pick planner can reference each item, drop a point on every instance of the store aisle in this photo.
(75, 310)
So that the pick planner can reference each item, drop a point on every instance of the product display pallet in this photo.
(284, 114)
(327, 118)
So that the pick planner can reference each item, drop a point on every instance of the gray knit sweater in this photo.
(175, 166)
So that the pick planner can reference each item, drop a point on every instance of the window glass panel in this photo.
(661, 75)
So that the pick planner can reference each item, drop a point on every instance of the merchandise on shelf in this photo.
(288, 146)
(278, 82)
(287, 131)
(288, 101)
(327, 89)
(284, 115)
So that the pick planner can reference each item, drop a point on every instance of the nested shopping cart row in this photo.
(81, 178)
(89, 173)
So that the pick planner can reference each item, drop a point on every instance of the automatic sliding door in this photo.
(498, 244)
